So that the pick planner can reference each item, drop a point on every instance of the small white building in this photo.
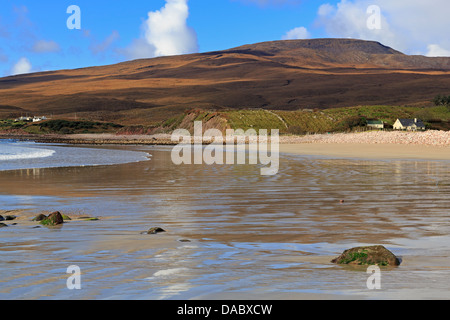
(39, 119)
(24, 119)
(376, 124)
(409, 124)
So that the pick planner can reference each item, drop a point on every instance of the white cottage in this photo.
(39, 119)
(409, 124)
(376, 124)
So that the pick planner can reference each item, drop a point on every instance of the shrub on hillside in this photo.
(441, 100)
(351, 122)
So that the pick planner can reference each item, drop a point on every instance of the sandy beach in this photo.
(429, 138)
(427, 145)
(245, 236)
(368, 151)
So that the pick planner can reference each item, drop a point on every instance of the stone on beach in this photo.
(53, 219)
(155, 230)
(2, 225)
(40, 217)
(373, 255)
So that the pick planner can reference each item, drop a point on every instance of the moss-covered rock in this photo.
(53, 219)
(40, 217)
(373, 255)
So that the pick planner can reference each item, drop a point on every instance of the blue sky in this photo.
(34, 35)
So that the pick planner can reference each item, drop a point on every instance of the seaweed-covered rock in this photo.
(374, 255)
(40, 217)
(155, 230)
(53, 219)
(2, 225)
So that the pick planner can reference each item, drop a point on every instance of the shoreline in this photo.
(427, 145)
(430, 137)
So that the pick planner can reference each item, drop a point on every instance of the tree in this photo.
(441, 100)
(437, 100)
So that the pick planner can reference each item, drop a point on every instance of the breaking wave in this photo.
(19, 153)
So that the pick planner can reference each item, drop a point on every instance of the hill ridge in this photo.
(278, 75)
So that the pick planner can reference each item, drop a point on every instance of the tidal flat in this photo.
(230, 232)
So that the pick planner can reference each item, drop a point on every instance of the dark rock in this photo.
(184, 240)
(2, 225)
(10, 218)
(155, 230)
(1, 218)
(53, 219)
(40, 217)
(374, 255)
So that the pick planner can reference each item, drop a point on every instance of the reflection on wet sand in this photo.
(250, 235)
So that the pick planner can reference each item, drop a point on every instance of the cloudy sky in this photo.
(49, 35)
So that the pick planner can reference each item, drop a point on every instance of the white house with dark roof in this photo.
(376, 124)
(409, 124)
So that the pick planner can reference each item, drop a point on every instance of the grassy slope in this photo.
(309, 121)
(288, 122)
(58, 126)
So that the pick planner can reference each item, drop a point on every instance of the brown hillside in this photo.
(288, 75)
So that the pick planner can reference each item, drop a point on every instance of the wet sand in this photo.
(369, 151)
(251, 237)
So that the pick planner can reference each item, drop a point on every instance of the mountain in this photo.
(285, 75)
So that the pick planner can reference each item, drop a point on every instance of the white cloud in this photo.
(139, 49)
(297, 33)
(43, 46)
(348, 19)
(165, 33)
(410, 26)
(21, 67)
(434, 50)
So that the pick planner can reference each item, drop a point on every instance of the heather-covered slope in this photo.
(279, 75)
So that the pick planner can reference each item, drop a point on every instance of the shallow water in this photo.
(16, 155)
(251, 236)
